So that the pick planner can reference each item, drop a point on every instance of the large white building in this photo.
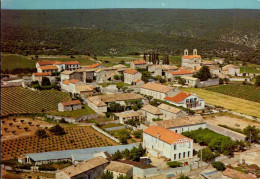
(157, 91)
(193, 61)
(131, 76)
(56, 66)
(186, 100)
(161, 142)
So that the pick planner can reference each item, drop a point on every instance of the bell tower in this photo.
(195, 52)
(186, 52)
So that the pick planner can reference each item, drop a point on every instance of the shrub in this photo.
(219, 166)
(41, 133)
(174, 164)
(107, 175)
(207, 154)
(137, 134)
(183, 177)
(57, 130)
(117, 155)
(157, 119)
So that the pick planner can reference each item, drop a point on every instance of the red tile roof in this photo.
(48, 68)
(68, 103)
(178, 98)
(131, 71)
(45, 62)
(191, 56)
(42, 74)
(58, 63)
(139, 62)
(157, 87)
(74, 81)
(181, 72)
(94, 65)
(165, 135)
(71, 63)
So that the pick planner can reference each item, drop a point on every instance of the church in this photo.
(193, 61)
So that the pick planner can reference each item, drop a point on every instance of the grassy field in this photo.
(248, 92)
(76, 137)
(17, 100)
(119, 59)
(76, 113)
(249, 69)
(12, 61)
(232, 103)
(84, 60)
(175, 60)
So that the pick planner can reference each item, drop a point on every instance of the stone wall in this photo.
(209, 82)
(105, 133)
(74, 120)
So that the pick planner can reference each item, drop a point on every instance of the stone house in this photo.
(230, 70)
(39, 76)
(90, 169)
(193, 61)
(151, 112)
(66, 75)
(157, 91)
(131, 76)
(161, 70)
(70, 105)
(190, 81)
(96, 65)
(179, 73)
(215, 70)
(104, 75)
(161, 142)
(70, 85)
(186, 100)
(47, 69)
(129, 115)
(119, 168)
(138, 64)
(170, 112)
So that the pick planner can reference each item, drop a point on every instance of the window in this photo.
(187, 100)
(179, 155)
(189, 145)
(189, 154)
(183, 154)
(174, 156)
(176, 131)
(182, 129)
(175, 147)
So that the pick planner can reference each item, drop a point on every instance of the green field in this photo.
(74, 114)
(231, 103)
(83, 60)
(12, 61)
(175, 60)
(248, 92)
(249, 69)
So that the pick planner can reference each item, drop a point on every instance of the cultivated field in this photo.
(76, 137)
(248, 92)
(235, 104)
(17, 100)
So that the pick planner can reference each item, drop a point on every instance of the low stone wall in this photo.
(105, 133)
(246, 116)
(74, 120)
(110, 122)
(114, 128)
(209, 82)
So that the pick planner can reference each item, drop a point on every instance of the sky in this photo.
(101, 4)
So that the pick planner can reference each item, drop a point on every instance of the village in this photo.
(141, 119)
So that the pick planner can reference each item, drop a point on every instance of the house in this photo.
(66, 75)
(170, 112)
(77, 158)
(215, 70)
(131, 76)
(104, 75)
(96, 65)
(100, 103)
(183, 124)
(193, 61)
(157, 91)
(85, 74)
(69, 105)
(72, 65)
(161, 142)
(234, 174)
(26, 82)
(39, 76)
(250, 157)
(230, 70)
(151, 112)
(56, 66)
(90, 169)
(179, 73)
(69, 86)
(138, 64)
(219, 61)
(186, 100)
(139, 83)
(129, 115)
(119, 168)
(49, 69)
(161, 70)
(190, 81)
(208, 63)
(85, 90)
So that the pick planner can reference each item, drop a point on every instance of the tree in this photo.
(123, 177)
(240, 145)
(221, 81)
(137, 134)
(251, 132)
(26, 129)
(203, 74)
(219, 166)
(22, 121)
(46, 81)
(10, 124)
(41, 133)
(183, 177)
(207, 154)
(123, 136)
(126, 154)
(181, 81)
(57, 130)
(117, 155)
(122, 62)
(30, 123)
(107, 175)
(174, 164)
(115, 107)
(257, 80)
(116, 77)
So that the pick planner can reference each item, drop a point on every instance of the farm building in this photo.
(66, 75)
(170, 112)
(92, 168)
(66, 155)
(129, 115)
(39, 76)
(161, 142)
(69, 105)
(76, 158)
(75, 86)
(186, 100)
(138, 64)
(157, 91)
(188, 123)
(100, 103)
(131, 76)
(151, 112)
(119, 168)
(85, 90)
(193, 61)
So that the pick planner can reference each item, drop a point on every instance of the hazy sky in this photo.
(100, 4)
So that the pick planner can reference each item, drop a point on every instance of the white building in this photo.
(157, 91)
(193, 61)
(190, 81)
(179, 73)
(129, 115)
(184, 124)
(70, 85)
(39, 76)
(215, 70)
(138, 64)
(151, 112)
(230, 70)
(170, 112)
(69, 105)
(161, 142)
(186, 100)
(56, 66)
(131, 76)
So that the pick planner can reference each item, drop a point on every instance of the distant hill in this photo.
(225, 33)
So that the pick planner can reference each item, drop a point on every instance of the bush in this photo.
(47, 168)
(25, 166)
(107, 175)
(157, 119)
(137, 134)
(207, 154)
(117, 155)
(57, 130)
(41, 133)
(174, 164)
(219, 166)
